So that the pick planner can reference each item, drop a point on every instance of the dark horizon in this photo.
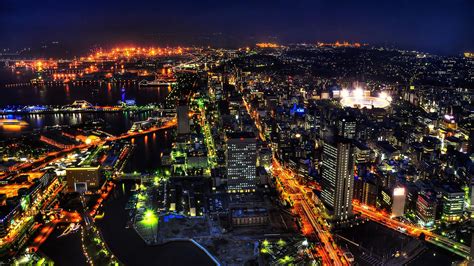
(437, 27)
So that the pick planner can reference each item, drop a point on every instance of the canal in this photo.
(125, 243)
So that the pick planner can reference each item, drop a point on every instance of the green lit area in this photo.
(150, 218)
(290, 251)
(209, 141)
(286, 260)
(281, 243)
(142, 197)
(95, 249)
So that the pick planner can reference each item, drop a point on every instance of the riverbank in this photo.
(130, 249)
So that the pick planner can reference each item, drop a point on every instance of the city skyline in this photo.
(326, 133)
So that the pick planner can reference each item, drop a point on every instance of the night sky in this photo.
(444, 27)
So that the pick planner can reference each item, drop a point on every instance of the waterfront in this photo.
(115, 123)
(131, 249)
(100, 93)
(65, 250)
(125, 243)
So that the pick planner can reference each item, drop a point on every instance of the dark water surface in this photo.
(96, 93)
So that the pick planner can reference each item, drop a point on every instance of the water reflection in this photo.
(103, 93)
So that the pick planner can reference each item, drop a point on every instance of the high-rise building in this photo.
(183, 119)
(398, 201)
(241, 162)
(365, 191)
(338, 177)
(426, 208)
(346, 127)
(453, 204)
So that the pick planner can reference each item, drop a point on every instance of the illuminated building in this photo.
(338, 177)
(346, 127)
(448, 123)
(183, 119)
(19, 195)
(426, 208)
(267, 45)
(365, 191)
(362, 153)
(398, 201)
(431, 148)
(241, 162)
(453, 204)
(83, 178)
(249, 217)
(58, 140)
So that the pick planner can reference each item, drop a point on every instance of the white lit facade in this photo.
(241, 164)
(338, 178)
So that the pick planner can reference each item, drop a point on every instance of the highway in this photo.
(309, 212)
(410, 229)
(303, 205)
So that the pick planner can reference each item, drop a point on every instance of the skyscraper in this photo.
(346, 127)
(398, 205)
(338, 177)
(241, 162)
(183, 119)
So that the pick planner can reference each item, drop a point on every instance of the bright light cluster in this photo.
(358, 99)
(267, 45)
(129, 52)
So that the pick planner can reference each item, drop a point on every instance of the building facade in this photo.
(241, 162)
(338, 178)
(183, 119)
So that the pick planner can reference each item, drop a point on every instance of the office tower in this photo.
(398, 203)
(241, 162)
(183, 119)
(453, 204)
(338, 177)
(426, 208)
(346, 127)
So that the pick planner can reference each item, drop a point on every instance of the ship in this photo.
(157, 82)
(12, 122)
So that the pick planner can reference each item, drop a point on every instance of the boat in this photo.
(157, 82)
(12, 122)
(160, 80)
